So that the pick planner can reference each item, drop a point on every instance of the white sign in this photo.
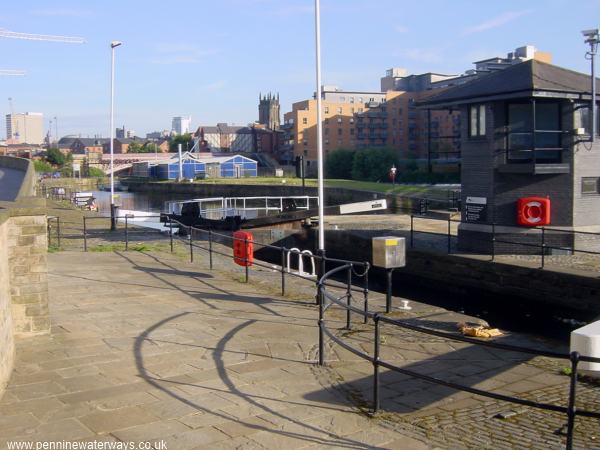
(374, 205)
(76, 167)
(477, 200)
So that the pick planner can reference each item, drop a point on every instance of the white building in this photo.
(181, 125)
(25, 128)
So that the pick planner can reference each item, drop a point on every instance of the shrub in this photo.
(339, 164)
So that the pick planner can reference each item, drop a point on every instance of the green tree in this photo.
(150, 147)
(186, 141)
(373, 164)
(94, 172)
(134, 147)
(56, 157)
(339, 164)
(42, 167)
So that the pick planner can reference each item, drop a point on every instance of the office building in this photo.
(181, 125)
(25, 128)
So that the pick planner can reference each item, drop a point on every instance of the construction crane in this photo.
(41, 37)
(12, 72)
(35, 37)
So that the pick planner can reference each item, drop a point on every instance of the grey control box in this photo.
(389, 252)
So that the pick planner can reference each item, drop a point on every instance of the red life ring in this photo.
(533, 211)
(243, 248)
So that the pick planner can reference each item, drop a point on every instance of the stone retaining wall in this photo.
(7, 343)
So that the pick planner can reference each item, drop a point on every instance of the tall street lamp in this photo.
(319, 130)
(592, 37)
(113, 45)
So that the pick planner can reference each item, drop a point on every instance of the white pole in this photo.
(319, 128)
(180, 163)
(113, 45)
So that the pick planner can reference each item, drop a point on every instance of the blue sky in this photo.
(210, 59)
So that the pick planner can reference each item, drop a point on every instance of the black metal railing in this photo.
(344, 301)
(351, 278)
(535, 241)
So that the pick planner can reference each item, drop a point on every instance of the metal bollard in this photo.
(126, 234)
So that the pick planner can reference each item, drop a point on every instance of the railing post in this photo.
(191, 230)
(282, 270)
(210, 255)
(321, 303)
(377, 344)
(366, 293)
(84, 235)
(349, 298)
(126, 233)
(58, 231)
(388, 295)
(49, 231)
(572, 409)
(171, 233)
(493, 241)
(543, 246)
(320, 271)
(412, 230)
(246, 258)
(449, 237)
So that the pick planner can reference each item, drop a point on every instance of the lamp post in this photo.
(393, 174)
(319, 129)
(592, 38)
(113, 45)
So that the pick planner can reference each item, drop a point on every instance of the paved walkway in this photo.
(148, 348)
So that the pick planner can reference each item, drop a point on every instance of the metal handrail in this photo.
(328, 299)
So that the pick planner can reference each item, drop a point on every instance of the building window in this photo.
(352, 131)
(351, 99)
(304, 121)
(326, 131)
(360, 110)
(589, 186)
(477, 120)
(339, 120)
(339, 131)
(360, 99)
(306, 153)
(339, 110)
(305, 142)
(326, 121)
(327, 110)
(326, 141)
(342, 99)
(351, 119)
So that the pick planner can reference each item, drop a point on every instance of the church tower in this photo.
(268, 111)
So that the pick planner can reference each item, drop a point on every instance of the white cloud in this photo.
(215, 86)
(497, 21)
(401, 29)
(425, 55)
(181, 53)
(61, 12)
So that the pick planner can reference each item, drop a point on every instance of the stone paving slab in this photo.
(150, 348)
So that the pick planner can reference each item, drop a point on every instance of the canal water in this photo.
(508, 314)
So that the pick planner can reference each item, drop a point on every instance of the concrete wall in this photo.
(7, 343)
(23, 277)
(470, 276)
(26, 166)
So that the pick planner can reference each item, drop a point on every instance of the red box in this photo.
(533, 211)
